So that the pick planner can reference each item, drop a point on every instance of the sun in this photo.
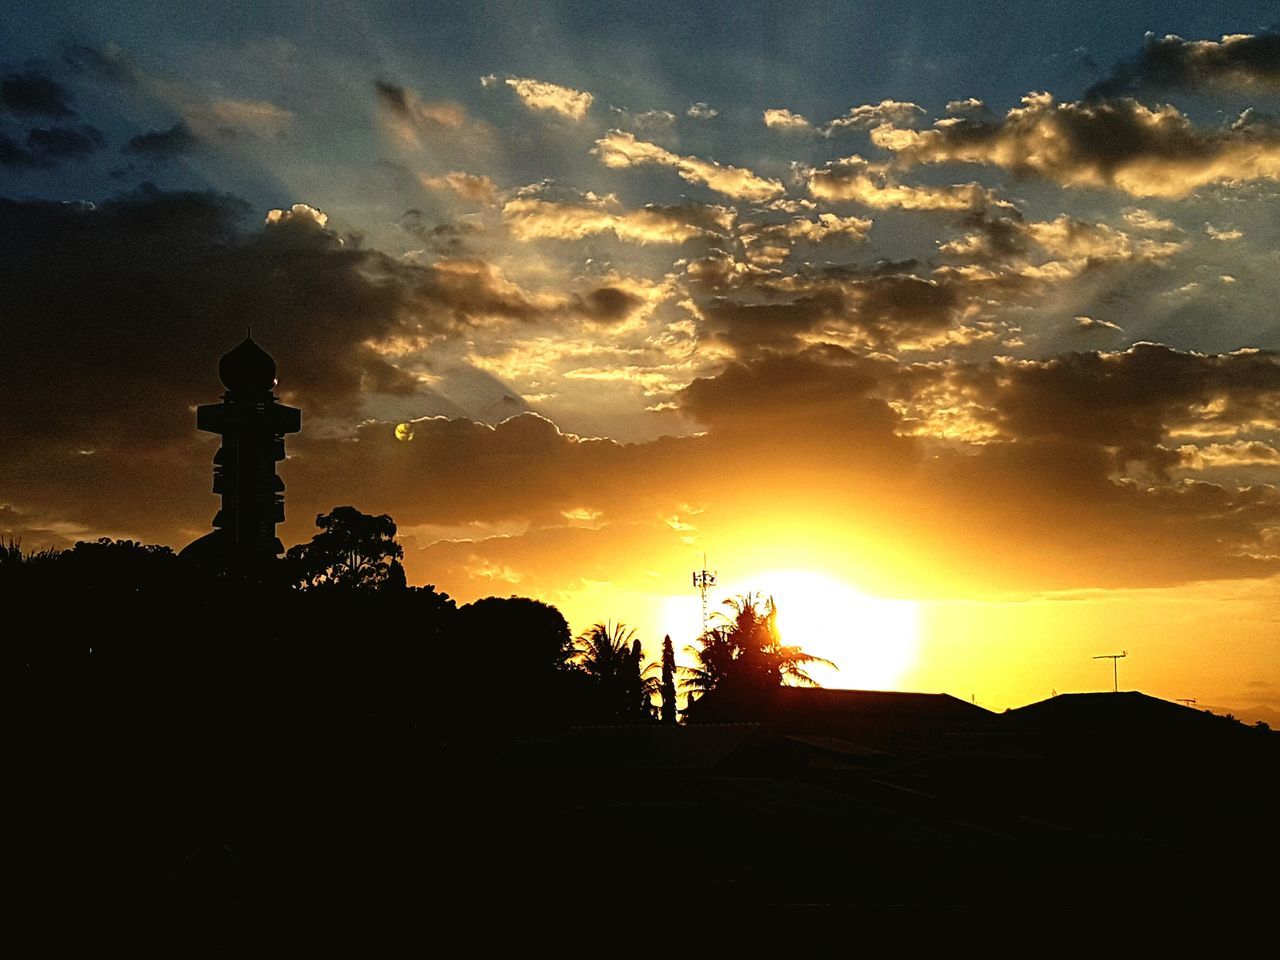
(873, 641)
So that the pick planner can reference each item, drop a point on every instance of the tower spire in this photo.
(253, 425)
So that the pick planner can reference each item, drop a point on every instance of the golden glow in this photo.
(404, 432)
(873, 641)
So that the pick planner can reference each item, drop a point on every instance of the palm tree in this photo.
(745, 656)
(610, 654)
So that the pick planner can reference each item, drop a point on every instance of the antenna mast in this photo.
(1115, 669)
(703, 581)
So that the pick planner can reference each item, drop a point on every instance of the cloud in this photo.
(110, 62)
(1237, 453)
(749, 308)
(531, 217)
(163, 144)
(969, 105)
(131, 302)
(409, 105)
(34, 94)
(1119, 144)
(775, 394)
(894, 113)
(701, 111)
(783, 119)
(644, 120)
(1223, 234)
(1071, 239)
(49, 146)
(1238, 62)
(233, 119)
(773, 243)
(1127, 403)
(1146, 221)
(876, 185)
(1092, 323)
(618, 149)
(542, 96)
(469, 186)
(412, 121)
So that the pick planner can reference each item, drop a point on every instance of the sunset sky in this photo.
(953, 326)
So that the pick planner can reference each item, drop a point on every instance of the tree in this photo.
(510, 664)
(517, 636)
(744, 657)
(668, 681)
(610, 655)
(353, 550)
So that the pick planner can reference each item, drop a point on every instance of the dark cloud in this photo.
(449, 238)
(822, 392)
(13, 153)
(884, 306)
(1125, 403)
(609, 304)
(110, 62)
(458, 471)
(394, 97)
(49, 146)
(411, 120)
(117, 309)
(817, 438)
(163, 144)
(120, 310)
(1241, 62)
(1118, 143)
(34, 94)
(54, 144)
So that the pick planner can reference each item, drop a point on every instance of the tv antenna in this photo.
(1115, 669)
(1188, 701)
(703, 581)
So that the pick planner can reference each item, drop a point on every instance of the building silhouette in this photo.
(252, 424)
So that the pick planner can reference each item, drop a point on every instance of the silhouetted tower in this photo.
(703, 581)
(252, 424)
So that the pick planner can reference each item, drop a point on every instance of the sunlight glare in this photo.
(873, 641)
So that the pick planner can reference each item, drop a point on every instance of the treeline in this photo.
(328, 736)
(342, 598)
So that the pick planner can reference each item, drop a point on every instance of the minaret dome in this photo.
(248, 367)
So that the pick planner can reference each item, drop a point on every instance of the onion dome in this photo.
(248, 367)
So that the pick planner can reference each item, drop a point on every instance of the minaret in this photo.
(252, 424)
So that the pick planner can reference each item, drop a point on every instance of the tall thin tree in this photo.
(668, 681)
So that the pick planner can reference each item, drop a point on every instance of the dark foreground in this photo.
(336, 777)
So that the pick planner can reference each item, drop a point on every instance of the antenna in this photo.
(703, 581)
(1115, 670)
(1188, 701)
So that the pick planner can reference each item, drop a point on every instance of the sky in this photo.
(953, 327)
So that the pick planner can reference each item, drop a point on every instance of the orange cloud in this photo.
(531, 217)
(875, 185)
(479, 189)
(619, 149)
(551, 97)
(1121, 144)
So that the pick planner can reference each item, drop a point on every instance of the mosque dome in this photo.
(248, 367)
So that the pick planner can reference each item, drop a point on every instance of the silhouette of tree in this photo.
(668, 681)
(352, 550)
(517, 635)
(395, 577)
(610, 655)
(745, 656)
